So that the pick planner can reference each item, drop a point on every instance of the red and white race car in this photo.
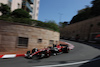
(47, 52)
(36, 54)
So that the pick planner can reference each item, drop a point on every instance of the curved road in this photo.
(75, 58)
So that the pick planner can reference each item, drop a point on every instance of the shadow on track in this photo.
(95, 63)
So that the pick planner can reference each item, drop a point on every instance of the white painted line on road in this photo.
(63, 64)
(68, 63)
(9, 56)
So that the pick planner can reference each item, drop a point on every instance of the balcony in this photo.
(10, 0)
(28, 6)
(30, 1)
(9, 3)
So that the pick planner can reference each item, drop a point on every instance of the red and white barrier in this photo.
(11, 55)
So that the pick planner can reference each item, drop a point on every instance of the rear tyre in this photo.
(35, 57)
(47, 55)
(67, 51)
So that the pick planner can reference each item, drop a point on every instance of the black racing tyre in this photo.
(52, 51)
(67, 51)
(35, 57)
(41, 55)
(47, 55)
(28, 54)
(54, 54)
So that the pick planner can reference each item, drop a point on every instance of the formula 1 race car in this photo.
(58, 49)
(37, 54)
(64, 48)
(47, 52)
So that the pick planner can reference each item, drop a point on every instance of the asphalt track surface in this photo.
(80, 56)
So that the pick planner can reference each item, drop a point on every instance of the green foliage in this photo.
(61, 24)
(85, 14)
(17, 20)
(98, 24)
(5, 18)
(4, 9)
(23, 20)
(95, 8)
(49, 25)
(20, 13)
(23, 17)
(88, 12)
(52, 25)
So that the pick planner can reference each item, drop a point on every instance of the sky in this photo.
(60, 10)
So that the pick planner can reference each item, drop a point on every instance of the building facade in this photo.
(86, 30)
(31, 6)
(15, 37)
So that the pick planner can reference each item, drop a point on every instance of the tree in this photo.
(52, 25)
(60, 24)
(49, 25)
(83, 15)
(95, 8)
(63, 24)
(4, 9)
(20, 13)
(98, 24)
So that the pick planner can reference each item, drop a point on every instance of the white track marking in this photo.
(9, 56)
(63, 64)
(68, 63)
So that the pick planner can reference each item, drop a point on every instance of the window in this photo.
(57, 42)
(22, 41)
(9, 3)
(18, 5)
(39, 40)
(51, 42)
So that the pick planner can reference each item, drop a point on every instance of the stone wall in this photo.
(9, 33)
(83, 29)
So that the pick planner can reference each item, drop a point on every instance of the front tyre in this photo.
(54, 54)
(27, 55)
(67, 50)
